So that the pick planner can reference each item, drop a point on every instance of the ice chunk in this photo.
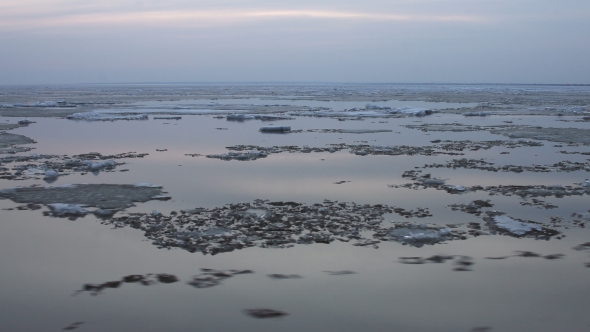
(513, 226)
(276, 129)
(50, 175)
(239, 117)
(98, 165)
(419, 235)
(97, 116)
(25, 122)
(408, 110)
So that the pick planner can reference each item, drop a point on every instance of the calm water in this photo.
(45, 260)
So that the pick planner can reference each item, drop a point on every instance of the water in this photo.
(45, 260)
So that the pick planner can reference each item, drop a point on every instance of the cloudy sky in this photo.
(458, 41)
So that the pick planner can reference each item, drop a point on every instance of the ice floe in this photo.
(61, 209)
(419, 235)
(514, 227)
(101, 116)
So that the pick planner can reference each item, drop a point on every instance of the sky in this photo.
(370, 41)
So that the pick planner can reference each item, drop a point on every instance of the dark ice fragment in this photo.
(264, 313)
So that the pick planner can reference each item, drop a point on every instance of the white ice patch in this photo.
(103, 116)
(513, 226)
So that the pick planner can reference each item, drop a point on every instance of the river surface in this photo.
(338, 286)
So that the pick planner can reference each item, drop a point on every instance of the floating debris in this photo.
(340, 273)
(284, 276)
(55, 166)
(167, 117)
(461, 263)
(238, 226)
(243, 156)
(211, 277)
(417, 235)
(481, 164)
(524, 191)
(562, 135)
(446, 148)
(146, 280)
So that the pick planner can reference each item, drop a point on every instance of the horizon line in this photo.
(291, 82)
